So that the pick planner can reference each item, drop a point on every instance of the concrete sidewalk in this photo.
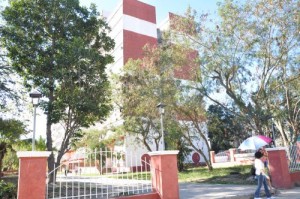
(217, 191)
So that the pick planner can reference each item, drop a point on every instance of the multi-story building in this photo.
(133, 25)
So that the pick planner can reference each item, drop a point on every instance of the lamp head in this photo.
(161, 107)
(35, 96)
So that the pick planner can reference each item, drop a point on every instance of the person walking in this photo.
(265, 160)
(261, 176)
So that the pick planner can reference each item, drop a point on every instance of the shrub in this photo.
(8, 190)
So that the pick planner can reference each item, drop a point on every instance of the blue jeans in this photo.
(261, 180)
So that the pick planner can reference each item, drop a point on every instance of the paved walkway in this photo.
(218, 191)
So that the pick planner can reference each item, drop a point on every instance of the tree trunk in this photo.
(282, 133)
(49, 135)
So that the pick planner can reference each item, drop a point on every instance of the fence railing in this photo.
(102, 174)
(293, 155)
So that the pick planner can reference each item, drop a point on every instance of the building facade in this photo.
(134, 25)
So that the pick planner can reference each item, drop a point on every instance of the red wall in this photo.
(295, 178)
(134, 43)
(188, 70)
(139, 10)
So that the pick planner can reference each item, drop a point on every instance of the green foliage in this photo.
(91, 139)
(40, 144)
(6, 83)
(8, 190)
(11, 130)
(10, 161)
(10, 133)
(61, 49)
(250, 57)
(184, 151)
(142, 90)
(224, 128)
(161, 80)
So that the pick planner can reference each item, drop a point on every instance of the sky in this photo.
(163, 7)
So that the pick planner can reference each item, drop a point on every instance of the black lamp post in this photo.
(161, 108)
(35, 96)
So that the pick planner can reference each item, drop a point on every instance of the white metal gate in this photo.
(100, 174)
(293, 155)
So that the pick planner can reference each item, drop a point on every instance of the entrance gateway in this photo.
(99, 175)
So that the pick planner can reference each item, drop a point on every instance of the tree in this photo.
(11, 161)
(11, 130)
(61, 48)
(243, 54)
(224, 128)
(151, 80)
(94, 139)
(6, 92)
(6, 81)
(141, 91)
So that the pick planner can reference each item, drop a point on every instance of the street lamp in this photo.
(161, 108)
(35, 96)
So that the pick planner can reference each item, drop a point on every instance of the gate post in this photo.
(212, 157)
(232, 152)
(279, 169)
(32, 174)
(165, 174)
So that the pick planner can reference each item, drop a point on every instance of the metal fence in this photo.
(293, 155)
(99, 175)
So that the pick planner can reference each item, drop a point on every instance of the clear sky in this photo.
(163, 7)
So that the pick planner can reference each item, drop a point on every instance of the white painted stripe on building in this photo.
(139, 26)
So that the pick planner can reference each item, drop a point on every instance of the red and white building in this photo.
(134, 25)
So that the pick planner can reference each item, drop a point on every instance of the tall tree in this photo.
(243, 54)
(151, 80)
(61, 48)
(141, 91)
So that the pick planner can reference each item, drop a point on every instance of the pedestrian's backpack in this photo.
(252, 171)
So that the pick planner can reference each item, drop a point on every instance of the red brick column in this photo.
(32, 174)
(232, 152)
(279, 169)
(165, 173)
(212, 157)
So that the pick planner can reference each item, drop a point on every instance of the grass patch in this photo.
(229, 175)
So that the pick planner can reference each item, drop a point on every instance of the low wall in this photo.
(232, 159)
(244, 158)
(295, 178)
